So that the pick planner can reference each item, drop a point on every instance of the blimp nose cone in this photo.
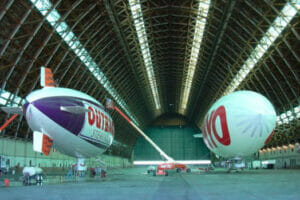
(25, 107)
(51, 107)
(255, 124)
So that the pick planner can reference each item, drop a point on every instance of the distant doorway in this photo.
(293, 163)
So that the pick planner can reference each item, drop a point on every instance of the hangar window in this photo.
(288, 116)
(9, 99)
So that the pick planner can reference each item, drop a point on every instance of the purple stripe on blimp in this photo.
(51, 107)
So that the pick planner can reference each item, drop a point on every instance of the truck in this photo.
(256, 164)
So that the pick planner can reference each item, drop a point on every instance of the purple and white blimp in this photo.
(75, 123)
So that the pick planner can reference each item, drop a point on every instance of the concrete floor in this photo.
(134, 183)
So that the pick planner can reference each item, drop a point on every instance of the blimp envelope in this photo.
(238, 124)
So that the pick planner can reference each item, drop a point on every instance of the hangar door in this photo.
(177, 141)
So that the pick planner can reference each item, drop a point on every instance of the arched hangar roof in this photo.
(154, 57)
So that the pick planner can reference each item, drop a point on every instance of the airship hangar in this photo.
(163, 63)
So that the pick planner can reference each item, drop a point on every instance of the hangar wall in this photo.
(20, 152)
(177, 141)
(284, 158)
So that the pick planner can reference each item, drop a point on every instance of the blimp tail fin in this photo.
(47, 79)
(42, 143)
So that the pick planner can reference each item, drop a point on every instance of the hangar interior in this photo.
(163, 63)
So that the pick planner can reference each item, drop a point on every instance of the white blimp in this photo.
(76, 123)
(239, 124)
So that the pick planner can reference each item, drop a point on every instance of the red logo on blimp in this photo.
(209, 128)
(102, 121)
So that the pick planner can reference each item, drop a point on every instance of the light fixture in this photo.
(291, 146)
(186, 162)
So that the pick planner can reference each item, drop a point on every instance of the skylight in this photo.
(287, 117)
(279, 24)
(137, 15)
(9, 99)
(198, 34)
(53, 17)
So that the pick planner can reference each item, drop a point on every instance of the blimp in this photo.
(75, 123)
(239, 124)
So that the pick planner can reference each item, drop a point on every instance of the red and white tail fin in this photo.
(47, 79)
(42, 143)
